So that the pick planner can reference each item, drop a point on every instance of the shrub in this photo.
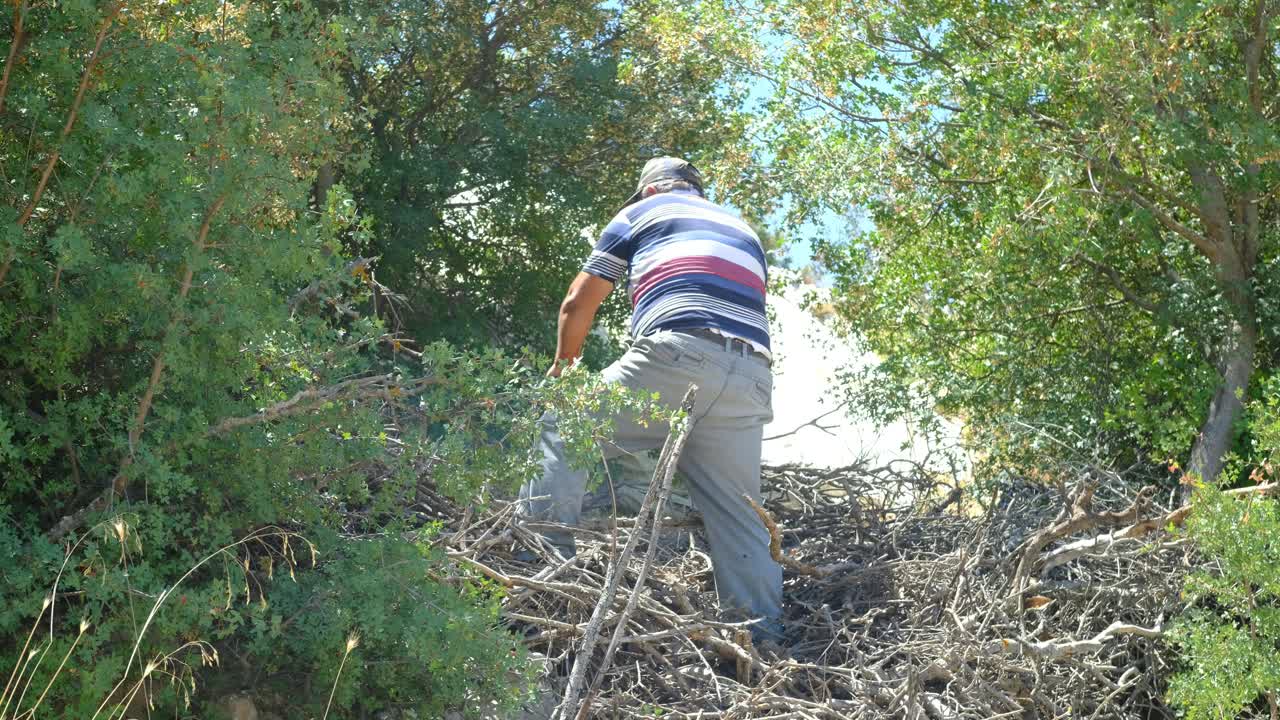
(185, 360)
(1230, 634)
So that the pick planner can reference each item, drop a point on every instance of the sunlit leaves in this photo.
(996, 148)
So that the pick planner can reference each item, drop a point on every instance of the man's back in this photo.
(689, 264)
(696, 275)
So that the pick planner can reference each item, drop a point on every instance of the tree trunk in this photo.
(1214, 440)
(1230, 248)
(326, 175)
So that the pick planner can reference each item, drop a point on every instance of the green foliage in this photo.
(1228, 636)
(490, 134)
(194, 348)
(422, 644)
(1071, 205)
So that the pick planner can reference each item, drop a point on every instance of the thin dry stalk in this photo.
(353, 641)
(255, 537)
(84, 625)
(15, 675)
(670, 453)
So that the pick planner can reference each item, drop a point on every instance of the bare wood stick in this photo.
(1079, 518)
(1100, 543)
(1061, 650)
(569, 706)
(668, 470)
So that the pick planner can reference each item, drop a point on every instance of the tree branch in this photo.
(1114, 276)
(66, 131)
(816, 422)
(816, 97)
(1063, 650)
(308, 400)
(1253, 51)
(19, 17)
(1202, 243)
(120, 482)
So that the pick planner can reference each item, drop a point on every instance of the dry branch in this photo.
(1105, 542)
(892, 610)
(305, 401)
(659, 487)
(1061, 650)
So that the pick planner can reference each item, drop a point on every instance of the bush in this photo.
(1229, 635)
(185, 361)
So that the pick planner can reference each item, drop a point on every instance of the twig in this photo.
(667, 469)
(569, 707)
(816, 422)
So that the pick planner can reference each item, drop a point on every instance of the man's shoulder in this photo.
(665, 203)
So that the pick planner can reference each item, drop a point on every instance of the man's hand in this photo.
(557, 367)
(577, 312)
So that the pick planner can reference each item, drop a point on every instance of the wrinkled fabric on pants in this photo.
(721, 460)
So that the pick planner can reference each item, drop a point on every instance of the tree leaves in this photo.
(1035, 175)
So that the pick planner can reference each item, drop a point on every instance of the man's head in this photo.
(666, 173)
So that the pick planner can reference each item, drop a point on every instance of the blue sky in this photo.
(829, 223)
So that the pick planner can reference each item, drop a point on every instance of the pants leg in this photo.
(648, 366)
(556, 495)
(722, 463)
(721, 459)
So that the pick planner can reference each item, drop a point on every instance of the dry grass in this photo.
(137, 678)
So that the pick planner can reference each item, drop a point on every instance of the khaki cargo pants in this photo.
(721, 460)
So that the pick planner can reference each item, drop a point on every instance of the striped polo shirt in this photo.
(689, 264)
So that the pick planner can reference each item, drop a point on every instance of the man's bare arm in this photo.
(577, 312)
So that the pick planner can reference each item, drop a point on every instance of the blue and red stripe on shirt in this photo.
(689, 264)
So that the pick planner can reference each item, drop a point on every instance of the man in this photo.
(696, 275)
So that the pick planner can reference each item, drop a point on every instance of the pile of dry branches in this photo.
(906, 597)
